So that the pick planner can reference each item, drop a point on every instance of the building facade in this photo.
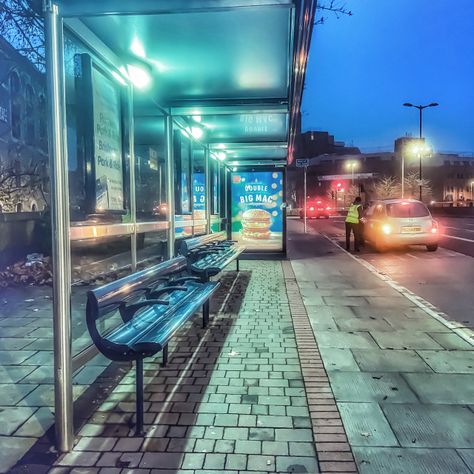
(23, 134)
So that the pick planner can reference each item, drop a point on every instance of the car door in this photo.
(368, 222)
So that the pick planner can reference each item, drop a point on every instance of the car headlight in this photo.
(386, 229)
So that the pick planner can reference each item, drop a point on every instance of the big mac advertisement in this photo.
(257, 219)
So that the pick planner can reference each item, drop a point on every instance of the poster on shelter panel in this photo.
(257, 216)
(107, 144)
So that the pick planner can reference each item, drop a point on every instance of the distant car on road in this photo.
(400, 222)
(316, 209)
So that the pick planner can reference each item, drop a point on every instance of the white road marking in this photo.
(413, 256)
(457, 238)
(463, 332)
(458, 228)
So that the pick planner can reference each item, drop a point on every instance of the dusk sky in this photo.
(363, 68)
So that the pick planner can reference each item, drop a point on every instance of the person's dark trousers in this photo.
(355, 229)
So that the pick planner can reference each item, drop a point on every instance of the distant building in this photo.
(450, 175)
(23, 133)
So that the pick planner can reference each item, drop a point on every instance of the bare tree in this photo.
(17, 185)
(412, 187)
(335, 8)
(21, 24)
(386, 188)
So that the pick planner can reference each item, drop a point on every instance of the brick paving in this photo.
(232, 398)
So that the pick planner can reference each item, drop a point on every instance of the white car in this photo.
(400, 222)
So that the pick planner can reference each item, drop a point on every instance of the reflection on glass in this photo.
(182, 180)
(150, 168)
(199, 189)
(94, 263)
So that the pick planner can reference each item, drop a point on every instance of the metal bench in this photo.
(153, 304)
(209, 254)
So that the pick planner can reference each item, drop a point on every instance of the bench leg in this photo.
(165, 356)
(139, 397)
(205, 314)
(238, 266)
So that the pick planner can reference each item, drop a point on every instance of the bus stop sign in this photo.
(302, 162)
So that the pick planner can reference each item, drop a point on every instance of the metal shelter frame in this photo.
(74, 15)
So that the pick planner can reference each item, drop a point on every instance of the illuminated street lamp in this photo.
(420, 108)
(421, 150)
(352, 165)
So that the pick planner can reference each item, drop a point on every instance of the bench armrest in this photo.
(127, 312)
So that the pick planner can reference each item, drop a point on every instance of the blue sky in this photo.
(362, 68)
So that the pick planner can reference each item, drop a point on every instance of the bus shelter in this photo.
(168, 119)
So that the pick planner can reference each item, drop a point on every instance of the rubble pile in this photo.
(35, 270)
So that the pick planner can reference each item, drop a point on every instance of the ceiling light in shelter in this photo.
(197, 132)
(137, 47)
(139, 73)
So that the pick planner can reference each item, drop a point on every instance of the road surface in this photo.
(444, 278)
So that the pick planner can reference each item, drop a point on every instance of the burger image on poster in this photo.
(256, 224)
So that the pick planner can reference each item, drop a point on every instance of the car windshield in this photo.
(407, 209)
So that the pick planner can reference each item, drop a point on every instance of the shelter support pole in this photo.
(304, 202)
(63, 400)
(170, 183)
(207, 172)
(133, 197)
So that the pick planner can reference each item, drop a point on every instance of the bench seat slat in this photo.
(217, 263)
(156, 338)
(147, 320)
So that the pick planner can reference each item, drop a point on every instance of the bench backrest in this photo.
(188, 245)
(110, 297)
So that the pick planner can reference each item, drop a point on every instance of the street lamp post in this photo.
(352, 165)
(472, 184)
(421, 108)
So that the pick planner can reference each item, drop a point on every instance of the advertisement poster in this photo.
(107, 144)
(199, 192)
(199, 200)
(257, 216)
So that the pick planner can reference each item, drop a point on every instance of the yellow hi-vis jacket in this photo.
(353, 214)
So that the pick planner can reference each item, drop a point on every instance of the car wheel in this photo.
(432, 248)
(379, 247)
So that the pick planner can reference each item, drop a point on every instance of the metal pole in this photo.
(420, 108)
(63, 401)
(170, 182)
(421, 120)
(207, 166)
(420, 178)
(403, 175)
(133, 198)
(305, 199)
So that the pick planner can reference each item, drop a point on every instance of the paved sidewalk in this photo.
(231, 400)
(403, 382)
(254, 393)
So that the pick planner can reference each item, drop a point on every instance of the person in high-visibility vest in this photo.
(354, 214)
